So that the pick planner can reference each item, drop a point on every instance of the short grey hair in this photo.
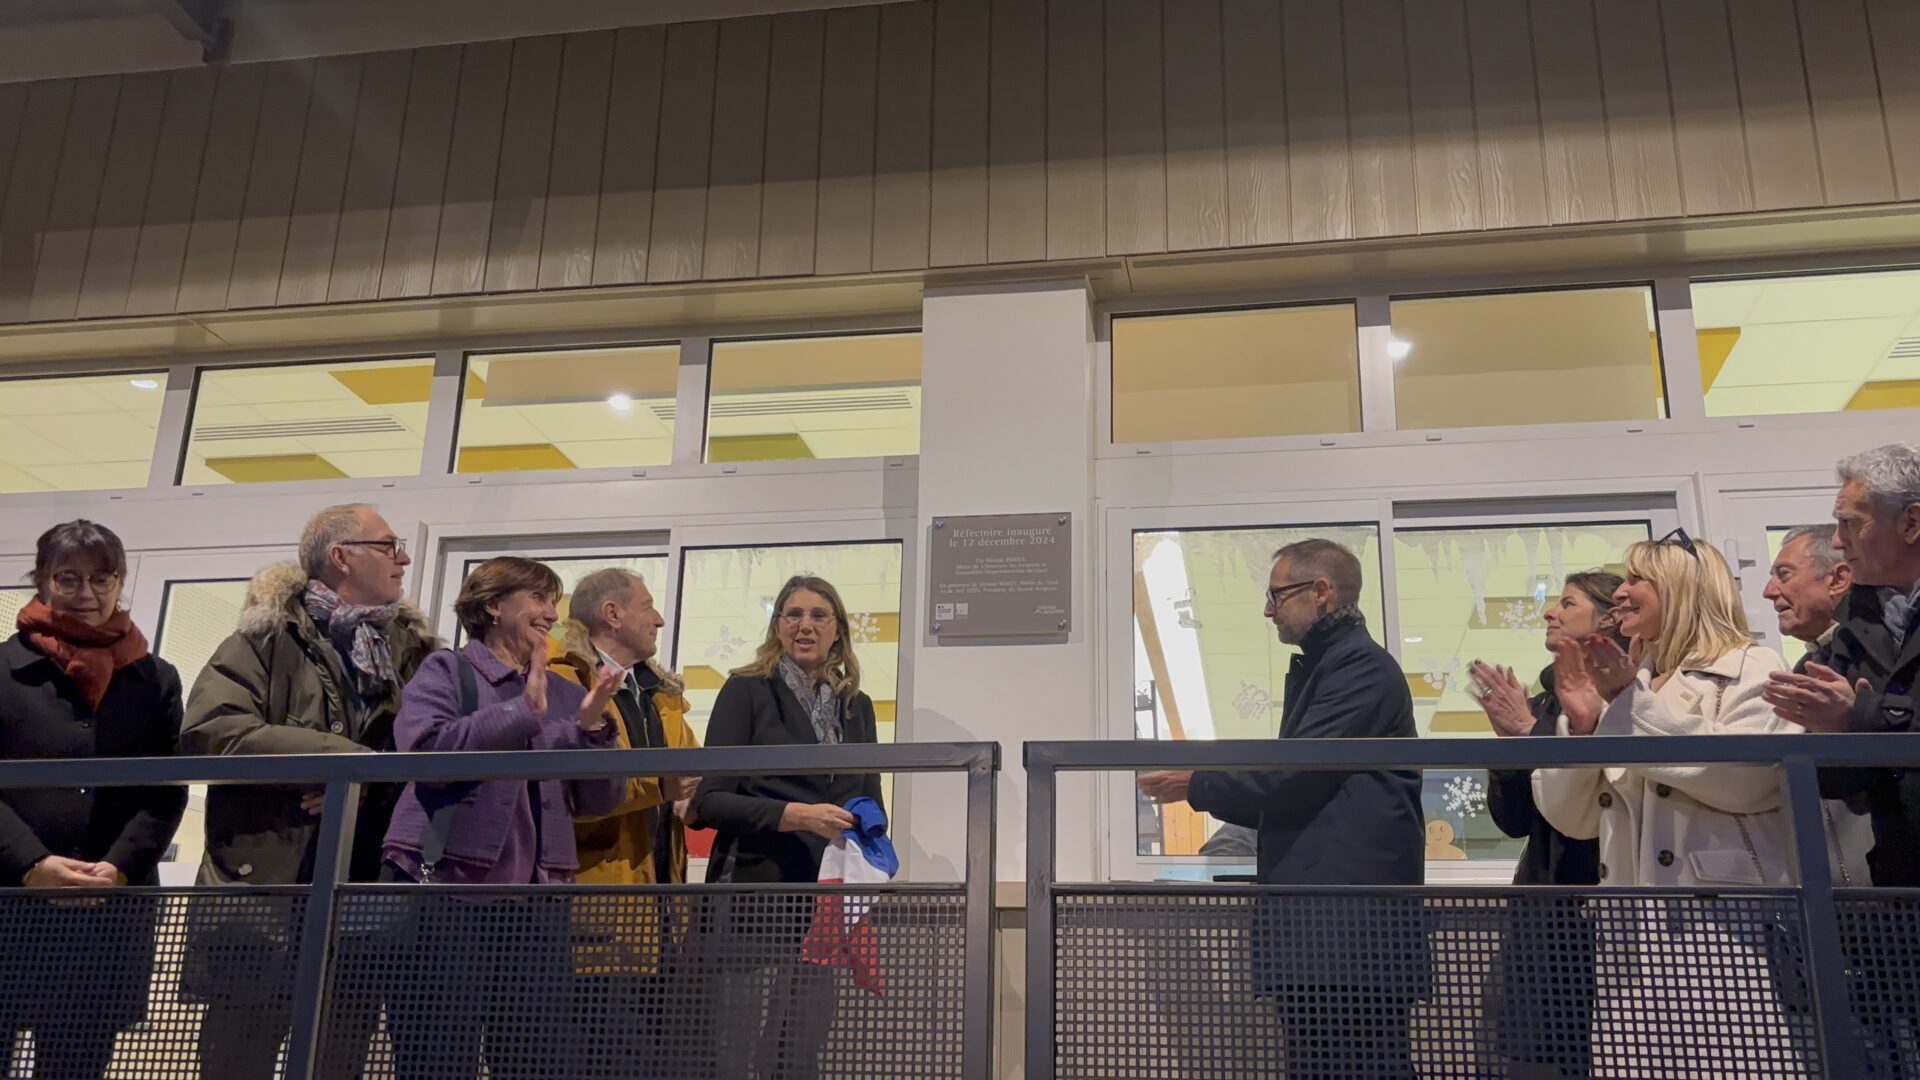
(1820, 549)
(325, 529)
(1319, 558)
(1891, 474)
(615, 583)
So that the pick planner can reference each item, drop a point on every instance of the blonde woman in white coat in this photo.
(1691, 987)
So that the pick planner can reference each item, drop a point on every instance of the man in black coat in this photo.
(1863, 678)
(1343, 971)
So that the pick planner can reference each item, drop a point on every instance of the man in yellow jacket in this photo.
(622, 940)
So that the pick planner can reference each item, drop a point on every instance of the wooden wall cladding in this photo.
(919, 135)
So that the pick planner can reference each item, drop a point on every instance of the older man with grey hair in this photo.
(1865, 678)
(1806, 584)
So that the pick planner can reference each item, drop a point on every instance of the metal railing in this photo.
(344, 775)
(1824, 964)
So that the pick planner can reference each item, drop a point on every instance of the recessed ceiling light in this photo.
(620, 402)
(1413, 640)
(1399, 349)
(147, 384)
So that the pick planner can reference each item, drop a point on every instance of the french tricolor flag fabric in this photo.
(841, 934)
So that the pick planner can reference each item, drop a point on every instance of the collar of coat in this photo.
(1332, 626)
(274, 598)
(1726, 666)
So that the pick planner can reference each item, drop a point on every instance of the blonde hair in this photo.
(843, 668)
(1701, 618)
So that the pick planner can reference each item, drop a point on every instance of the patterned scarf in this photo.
(823, 706)
(360, 635)
(88, 654)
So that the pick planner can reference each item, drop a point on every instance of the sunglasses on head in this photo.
(1680, 537)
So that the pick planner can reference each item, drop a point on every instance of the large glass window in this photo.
(1235, 374)
(569, 409)
(815, 397)
(320, 421)
(726, 600)
(1466, 594)
(1207, 663)
(1819, 344)
(1562, 356)
(80, 433)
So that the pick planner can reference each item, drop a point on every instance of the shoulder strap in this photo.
(440, 822)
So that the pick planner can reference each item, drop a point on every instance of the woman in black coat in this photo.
(1546, 966)
(802, 689)
(77, 681)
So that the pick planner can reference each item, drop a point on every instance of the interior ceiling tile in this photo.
(511, 458)
(397, 385)
(1780, 398)
(1724, 303)
(1812, 351)
(1839, 296)
(268, 468)
(1888, 394)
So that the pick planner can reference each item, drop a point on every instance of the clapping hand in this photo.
(1573, 685)
(1502, 697)
(1820, 700)
(1612, 670)
(593, 711)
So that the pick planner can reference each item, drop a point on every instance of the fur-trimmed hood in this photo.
(275, 593)
(577, 642)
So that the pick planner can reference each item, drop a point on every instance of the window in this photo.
(1466, 594)
(816, 397)
(1207, 663)
(569, 409)
(195, 617)
(320, 421)
(652, 568)
(1562, 356)
(1819, 344)
(12, 599)
(726, 600)
(80, 433)
(1235, 374)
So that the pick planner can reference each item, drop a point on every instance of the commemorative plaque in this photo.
(1001, 575)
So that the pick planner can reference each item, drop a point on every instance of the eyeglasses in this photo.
(394, 547)
(1279, 593)
(68, 584)
(1679, 536)
(795, 616)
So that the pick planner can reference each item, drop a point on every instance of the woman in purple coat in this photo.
(466, 953)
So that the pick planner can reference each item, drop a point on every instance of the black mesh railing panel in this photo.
(128, 984)
(637, 983)
(1249, 982)
(1880, 941)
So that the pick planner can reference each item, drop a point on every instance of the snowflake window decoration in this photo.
(1466, 796)
(727, 646)
(1252, 701)
(863, 628)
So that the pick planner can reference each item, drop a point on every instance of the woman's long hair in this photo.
(843, 668)
(1701, 618)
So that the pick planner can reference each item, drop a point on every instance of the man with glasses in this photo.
(316, 667)
(1343, 971)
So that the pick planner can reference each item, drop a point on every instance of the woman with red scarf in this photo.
(77, 681)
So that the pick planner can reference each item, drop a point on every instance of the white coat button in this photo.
(338, 727)
(245, 869)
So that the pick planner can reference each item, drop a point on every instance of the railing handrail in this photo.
(1824, 751)
(442, 767)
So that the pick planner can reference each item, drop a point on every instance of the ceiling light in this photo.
(620, 402)
(1399, 349)
(147, 384)
(1413, 640)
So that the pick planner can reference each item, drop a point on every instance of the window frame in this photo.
(712, 343)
